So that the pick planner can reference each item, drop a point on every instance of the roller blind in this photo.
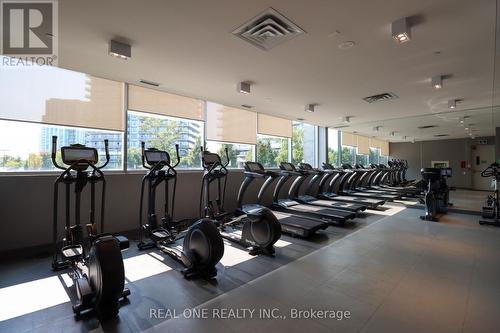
(384, 149)
(58, 96)
(374, 143)
(363, 145)
(160, 102)
(230, 124)
(269, 125)
(349, 139)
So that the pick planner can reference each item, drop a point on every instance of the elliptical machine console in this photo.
(97, 265)
(203, 246)
(259, 227)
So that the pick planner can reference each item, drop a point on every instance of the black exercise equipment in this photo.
(202, 246)
(97, 267)
(299, 226)
(436, 197)
(253, 227)
(491, 210)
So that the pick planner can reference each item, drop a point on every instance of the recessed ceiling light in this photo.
(466, 128)
(437, 82)
(244, 87)
(119, 50)
(401, 31)
(346, 45)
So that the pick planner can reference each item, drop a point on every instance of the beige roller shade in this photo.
(384, 149)
(160, 102)
(375, 143)
(349, 139)
(61, 97)
(363, 145)
(269, 125)
(230, 124)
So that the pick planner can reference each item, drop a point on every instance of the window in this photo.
(348, 155)
(333, 146)
(374, 155)
(362, 159)
(271, 150)
(163, 133)
(383, 159)
(304, 143)
(27, 146)
(238, 153)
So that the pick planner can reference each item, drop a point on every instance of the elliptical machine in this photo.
(437, 192)
(203, 246)
(259, 228)
(492, 210)
(97, 265)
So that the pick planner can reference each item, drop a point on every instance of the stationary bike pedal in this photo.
(72, 252)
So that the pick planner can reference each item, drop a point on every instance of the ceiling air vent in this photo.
(426, 126)
(268, 29)
(380, 97)
(441, 135)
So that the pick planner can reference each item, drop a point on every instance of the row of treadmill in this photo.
(315, 200)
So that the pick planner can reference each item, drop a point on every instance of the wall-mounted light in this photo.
(401, 30)
(437, 82)
(244, 87)
(310, 108)
(119, 50)
(452, 104)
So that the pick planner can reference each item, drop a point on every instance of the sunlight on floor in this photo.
(391, 211)
(143, 266)
(233, 256)
(32, 296)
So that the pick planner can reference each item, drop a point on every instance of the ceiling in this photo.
(187, 46)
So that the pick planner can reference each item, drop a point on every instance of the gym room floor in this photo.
(391, 271)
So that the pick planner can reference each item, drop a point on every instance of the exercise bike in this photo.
(97, 267)
(256, 228)
(491, 210)
(203, 246)
(436, 196)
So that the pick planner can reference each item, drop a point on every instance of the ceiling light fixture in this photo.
(346, 119)
(393, 133)
(437, 82)
(376, 128)
(401, 30)
(310, 108)
(244, 87)
(119, 50)
(452, 104)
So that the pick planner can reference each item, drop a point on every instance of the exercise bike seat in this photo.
(72, 252)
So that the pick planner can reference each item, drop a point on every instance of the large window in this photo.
(374, 155)
(271, 150)
(27, 146)
(238, 153)
(164, 133)
(362, 159)
(348, 155)
(333, 146)
(304, 143)
(383, 159)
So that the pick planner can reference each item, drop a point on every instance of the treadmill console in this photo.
(155, 156)
(446, 172)
(306, 166)
(254, 167)
(287, 166)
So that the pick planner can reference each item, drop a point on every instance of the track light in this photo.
(119, 50)
(310, 108)
(244, 87)
(346, 119)
(452, 103)
(376, 128)
(401, 31)
(437, 82)
(393, 133)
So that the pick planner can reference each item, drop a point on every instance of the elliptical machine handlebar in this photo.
(54, 152)
(80, 161)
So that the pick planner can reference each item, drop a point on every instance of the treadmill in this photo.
(360, 176)
(327, 188)
(307, 198)
(290, 224)
(329, 215)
